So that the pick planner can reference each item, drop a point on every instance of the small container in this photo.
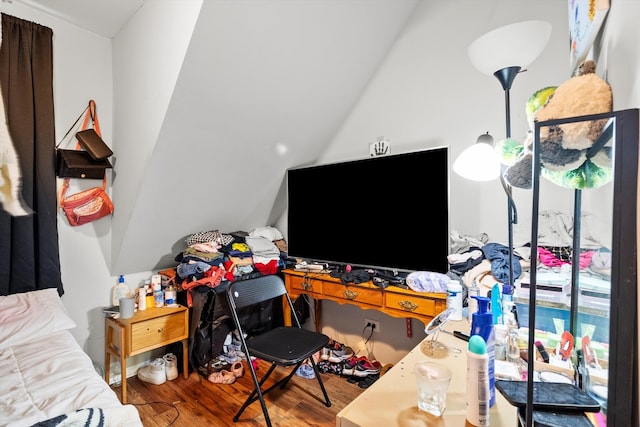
(158, 295)
(500, 332)
(170, 296)
(454, 299)
(142, 298)
(472, 303)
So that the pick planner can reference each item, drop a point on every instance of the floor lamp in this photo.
(503, 53)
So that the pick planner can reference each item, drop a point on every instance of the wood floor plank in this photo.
(197, 402)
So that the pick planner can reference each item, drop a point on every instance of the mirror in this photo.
(432, 347)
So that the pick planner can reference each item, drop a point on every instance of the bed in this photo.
(47, 379)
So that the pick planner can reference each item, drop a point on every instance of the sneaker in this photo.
(154, 372)
(335, 352)
(171, 366)
(367, 367)
(361, 367)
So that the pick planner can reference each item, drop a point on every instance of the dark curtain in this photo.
(29, 256)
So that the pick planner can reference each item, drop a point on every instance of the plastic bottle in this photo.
(170, 295)
(482, 324)
(496, 304)
(142, 298)
(478, 394)
(158, 295)
(149, 290)
(121, 290)
(472, 303)
(454, 299)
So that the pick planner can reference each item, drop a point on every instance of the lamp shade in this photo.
(480, 162)
(514, 45)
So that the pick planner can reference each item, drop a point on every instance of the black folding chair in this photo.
(282, 346)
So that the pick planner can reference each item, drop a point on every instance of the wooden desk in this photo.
(394, 301)
(392, 400)
(146, 330)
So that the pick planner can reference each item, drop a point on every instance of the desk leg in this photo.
(185, 358)
(317, 312)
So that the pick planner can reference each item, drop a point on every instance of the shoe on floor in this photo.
(237, 369)
(154, 372)
(222, 377)
(306, 371)
(171, 366)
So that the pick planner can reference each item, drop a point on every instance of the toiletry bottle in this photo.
(454, 299)
(477, 397)
(121, 290)
(496, 304)
(142, 298)
(482, 324)
(170, 295)
(472, 303)
(158, 295)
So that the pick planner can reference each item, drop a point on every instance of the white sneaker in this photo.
(154, 372)
(171, 366)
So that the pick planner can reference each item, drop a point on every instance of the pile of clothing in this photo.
(212, 256)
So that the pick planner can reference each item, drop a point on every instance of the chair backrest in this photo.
(245, 293)
(248, 292)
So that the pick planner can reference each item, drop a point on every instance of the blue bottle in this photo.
(482, 324)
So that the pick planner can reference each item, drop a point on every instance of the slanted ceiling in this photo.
(263, 87)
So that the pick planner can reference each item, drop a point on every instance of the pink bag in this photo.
(86, 206)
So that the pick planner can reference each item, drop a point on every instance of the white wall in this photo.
(427, 94)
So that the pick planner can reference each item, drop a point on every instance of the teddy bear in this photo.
(574, 155)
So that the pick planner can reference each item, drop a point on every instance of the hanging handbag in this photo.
(90, 163)
(86, 206)
(94, 203)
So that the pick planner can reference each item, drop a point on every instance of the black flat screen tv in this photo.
(387, 213)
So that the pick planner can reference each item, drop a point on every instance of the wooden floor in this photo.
(197, 402)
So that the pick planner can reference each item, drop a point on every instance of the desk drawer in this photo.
(413, 304)
(159, 331)
(353, 293)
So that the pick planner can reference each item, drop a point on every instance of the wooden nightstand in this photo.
(146, 330)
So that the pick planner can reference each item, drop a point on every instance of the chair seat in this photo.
(286, 345)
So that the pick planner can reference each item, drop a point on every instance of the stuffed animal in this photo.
(567, 153)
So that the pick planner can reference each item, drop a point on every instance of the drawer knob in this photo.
(349, 294)
(160, 330)
(407, 305)
(306, 285)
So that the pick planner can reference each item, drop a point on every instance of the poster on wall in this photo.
(585, 20)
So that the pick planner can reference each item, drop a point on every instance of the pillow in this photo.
(31, 315)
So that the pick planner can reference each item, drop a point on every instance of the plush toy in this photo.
(567, 153)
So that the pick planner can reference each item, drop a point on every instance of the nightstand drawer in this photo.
(158, 331)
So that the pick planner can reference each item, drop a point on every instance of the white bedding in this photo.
(44, 372)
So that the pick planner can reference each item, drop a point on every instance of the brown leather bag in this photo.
(90, 163)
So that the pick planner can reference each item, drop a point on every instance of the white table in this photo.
(392, 400)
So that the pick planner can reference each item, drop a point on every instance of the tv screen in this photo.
(386, 212)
